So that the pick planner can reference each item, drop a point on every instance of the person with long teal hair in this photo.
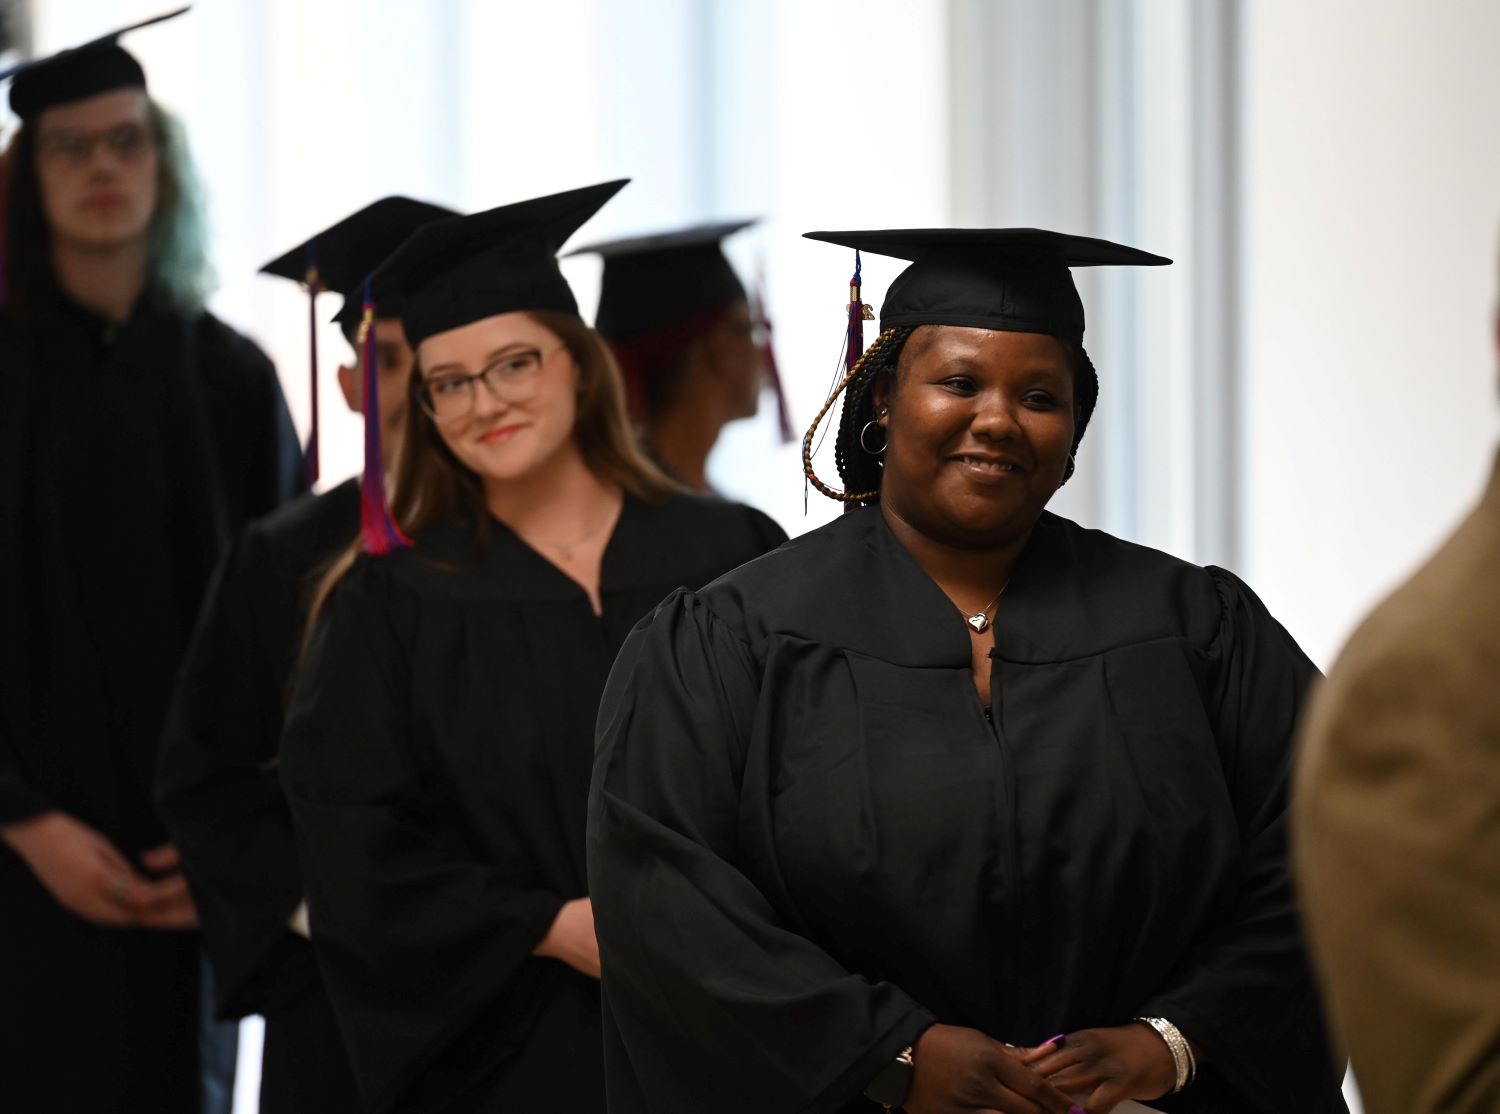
(137, 430)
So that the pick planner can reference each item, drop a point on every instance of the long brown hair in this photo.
(431, 486)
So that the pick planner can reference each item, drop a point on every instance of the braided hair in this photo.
(860, 470)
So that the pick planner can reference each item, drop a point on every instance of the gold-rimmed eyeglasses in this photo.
(511, 377)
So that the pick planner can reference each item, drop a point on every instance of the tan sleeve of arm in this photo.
(1397, 842)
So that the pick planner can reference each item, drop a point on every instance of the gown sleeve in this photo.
(219, 789)
(1246, 992)
(20, 797)
(415, 935)
(270, 471)
(712, 1000)
(278, 474)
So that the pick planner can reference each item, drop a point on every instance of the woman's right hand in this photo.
(571, 938)
(962, 1070)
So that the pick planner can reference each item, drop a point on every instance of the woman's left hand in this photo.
(1104, 1067)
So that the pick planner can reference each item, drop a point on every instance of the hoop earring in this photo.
(1072, 467)
(863, 433)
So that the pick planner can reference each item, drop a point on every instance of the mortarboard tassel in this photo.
(857, 313)
(380, 532)
(768, 350)
(314, 288)
(854, 343)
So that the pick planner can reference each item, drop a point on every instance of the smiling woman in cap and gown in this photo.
(953, 803)
(218, 782)
(440, 738)
(137, 431)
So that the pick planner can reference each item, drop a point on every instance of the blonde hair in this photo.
(431, 486)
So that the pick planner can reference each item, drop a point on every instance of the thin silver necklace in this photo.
(980, 620)
(565, 549)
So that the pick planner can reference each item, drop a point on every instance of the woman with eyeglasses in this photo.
(440, 739)
(136, 432)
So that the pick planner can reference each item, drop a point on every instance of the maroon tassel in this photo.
(314, 288)
(379, 530)
(854, 339)
(773, 373)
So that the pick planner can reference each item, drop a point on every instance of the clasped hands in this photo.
(91, 878)
(1088, 1072)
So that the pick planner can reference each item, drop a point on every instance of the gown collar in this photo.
(517, 569)
(865, 592)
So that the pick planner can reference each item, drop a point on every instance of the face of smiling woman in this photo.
(978, 426)
(518, 431)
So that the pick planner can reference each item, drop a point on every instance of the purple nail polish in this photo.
(1077, 1110)
(1059, 1040)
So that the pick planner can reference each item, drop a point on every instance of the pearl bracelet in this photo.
(1182, 1052)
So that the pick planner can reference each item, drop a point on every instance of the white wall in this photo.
(1371, 192)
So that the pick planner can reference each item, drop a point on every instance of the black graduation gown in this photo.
(806, 844)
(437, 762)
(126, 453)
(219, 791)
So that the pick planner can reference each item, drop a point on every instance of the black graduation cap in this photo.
(451, 272)
(339, 257)
(101, 65)
(1011, 279)
(653, 281)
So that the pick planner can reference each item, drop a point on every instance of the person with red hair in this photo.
(691, 347)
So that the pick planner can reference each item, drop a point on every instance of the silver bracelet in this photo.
(1182, 1052)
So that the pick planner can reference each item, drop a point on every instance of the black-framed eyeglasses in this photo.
(74, 147)
(514, 377)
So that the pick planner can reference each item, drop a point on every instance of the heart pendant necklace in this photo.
(980, 620)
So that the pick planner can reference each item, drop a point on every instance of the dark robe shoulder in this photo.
(1074, 593)
(437, 760)
(807, 842)
(139, 450)
(129, 454)
(218, 783)
(256, 444)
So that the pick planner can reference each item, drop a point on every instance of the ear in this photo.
(350, 385)
(880, 394)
